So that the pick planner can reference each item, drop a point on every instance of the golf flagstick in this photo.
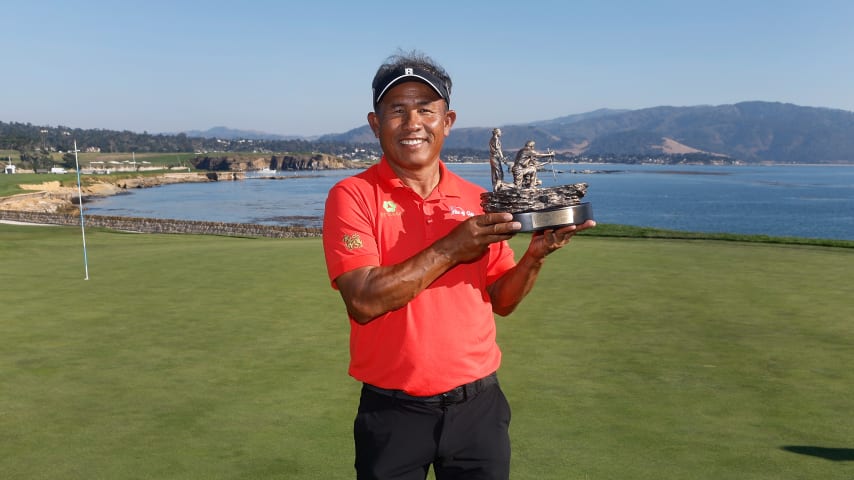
(80, 202)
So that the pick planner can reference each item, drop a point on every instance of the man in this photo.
(421, 269)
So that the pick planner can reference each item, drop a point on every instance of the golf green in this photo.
(201, 357)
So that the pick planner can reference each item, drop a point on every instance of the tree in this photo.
(69, 161)
(39, 159)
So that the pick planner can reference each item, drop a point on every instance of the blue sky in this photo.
(305, 68)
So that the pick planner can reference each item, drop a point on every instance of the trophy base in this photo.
(554, 218)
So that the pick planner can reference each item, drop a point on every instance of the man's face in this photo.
(412, 121)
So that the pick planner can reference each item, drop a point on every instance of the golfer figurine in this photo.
(496, 158)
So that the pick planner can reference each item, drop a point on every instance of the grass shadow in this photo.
(834, 454)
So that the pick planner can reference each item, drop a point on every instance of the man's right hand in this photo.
(471, 239)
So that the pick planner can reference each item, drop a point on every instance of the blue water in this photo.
(799, 201)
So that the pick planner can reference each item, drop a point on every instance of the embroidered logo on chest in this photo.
(460, 211)
(391, 208)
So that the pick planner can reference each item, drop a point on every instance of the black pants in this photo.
(398, 439)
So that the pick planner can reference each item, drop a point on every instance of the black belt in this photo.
(455, 395)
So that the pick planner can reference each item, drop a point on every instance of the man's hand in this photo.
(547, 241)
(471, 239)
(513, 286)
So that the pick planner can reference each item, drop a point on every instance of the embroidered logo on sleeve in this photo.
(352, 241)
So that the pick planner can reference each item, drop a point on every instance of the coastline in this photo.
(52, 197)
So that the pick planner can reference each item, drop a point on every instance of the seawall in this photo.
(162, 225)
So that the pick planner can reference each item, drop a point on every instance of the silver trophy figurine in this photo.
(534, 207)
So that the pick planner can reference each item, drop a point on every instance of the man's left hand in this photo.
(547, 241)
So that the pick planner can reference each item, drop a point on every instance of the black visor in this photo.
(408, 74)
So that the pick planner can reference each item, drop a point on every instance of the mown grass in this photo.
(193, 357)
(630, 231)
(9, 184)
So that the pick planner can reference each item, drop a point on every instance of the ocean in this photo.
(807, 201)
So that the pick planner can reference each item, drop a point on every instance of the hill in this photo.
(236, 134)
(748, 131)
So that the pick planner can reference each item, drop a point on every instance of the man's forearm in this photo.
(373, 291)
(513, 286)
(508, 291)
(370, 292)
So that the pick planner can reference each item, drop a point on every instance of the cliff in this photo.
(289, 161)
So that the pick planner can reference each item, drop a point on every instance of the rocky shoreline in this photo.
(50, 203)
(52, 197)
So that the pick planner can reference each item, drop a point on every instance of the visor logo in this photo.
(407, 71)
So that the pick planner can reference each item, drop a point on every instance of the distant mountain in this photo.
(362, 135)
(226, 133)
(602, 112)
(748, 131)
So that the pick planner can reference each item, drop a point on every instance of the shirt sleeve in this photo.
(349, 239)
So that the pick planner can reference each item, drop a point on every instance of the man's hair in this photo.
(417, 60)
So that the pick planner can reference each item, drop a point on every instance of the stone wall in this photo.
(162, 225)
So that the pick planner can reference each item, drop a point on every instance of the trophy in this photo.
(534, 207)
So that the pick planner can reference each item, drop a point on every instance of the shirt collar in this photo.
(449, 185)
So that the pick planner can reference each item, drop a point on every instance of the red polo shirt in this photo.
(445, 336)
